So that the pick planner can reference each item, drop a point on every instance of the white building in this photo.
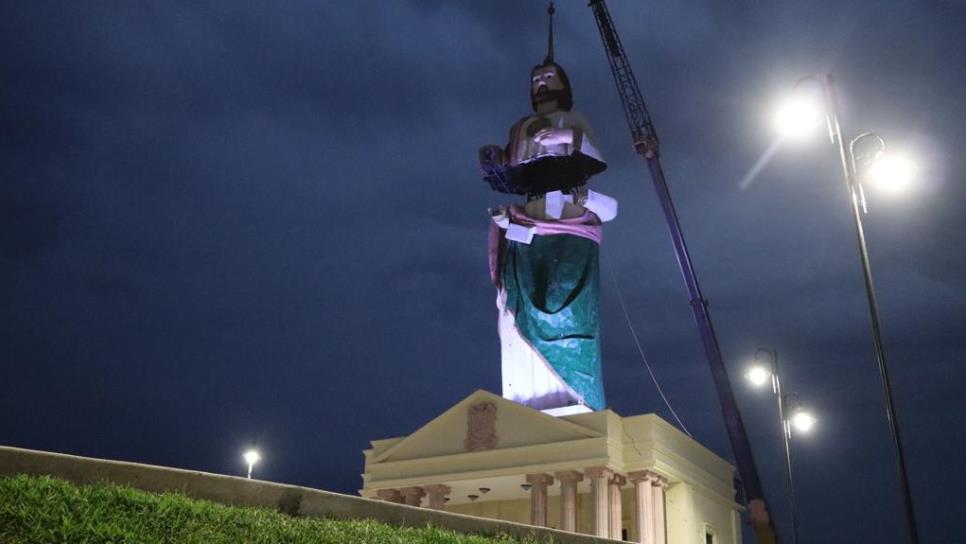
(634, 478)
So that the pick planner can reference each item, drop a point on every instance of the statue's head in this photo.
(549, 84)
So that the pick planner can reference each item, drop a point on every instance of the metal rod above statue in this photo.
(544, 257)
(646, 143)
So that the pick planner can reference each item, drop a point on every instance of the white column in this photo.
(568, 499)
(616, 510)
(598, 477)
(644, 502)
(437, 495)
(413, 496)
(538, 498)
(660, 527)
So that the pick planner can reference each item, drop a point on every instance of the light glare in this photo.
(892, 173)
(803, 421)
(797, 117)
(252, 457)
(758, 376)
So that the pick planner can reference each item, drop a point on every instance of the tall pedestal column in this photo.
(598, 477)
(660, 530)
(644, 502)
(412, 496)
(538, 498)
(568, 499)
(616, 508)
(437, 495)
(390, 495)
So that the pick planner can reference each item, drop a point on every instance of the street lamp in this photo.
(758, 375)
(802, 420)
(251, 457)
(871, 166)
(798, 116)
(892, 173)
(763, 371)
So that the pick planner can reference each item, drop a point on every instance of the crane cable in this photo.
(640, 350)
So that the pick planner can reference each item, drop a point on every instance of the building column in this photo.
(658, 485)
(598, 477)
(538, 498)
(390, 495)
(644, 502)
(616, 510)
(412, 496)
(437, 495)
(568, 499)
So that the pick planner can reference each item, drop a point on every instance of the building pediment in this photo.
(491, 457)
(482, 422)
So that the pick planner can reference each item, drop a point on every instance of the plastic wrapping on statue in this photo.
(605, 207)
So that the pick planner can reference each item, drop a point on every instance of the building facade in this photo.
(631, 478)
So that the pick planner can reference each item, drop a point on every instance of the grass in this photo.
(43, 510)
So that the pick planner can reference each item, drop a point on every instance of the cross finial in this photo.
(550, 11)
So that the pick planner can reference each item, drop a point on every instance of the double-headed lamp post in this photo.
(765, 370)
(860, 162)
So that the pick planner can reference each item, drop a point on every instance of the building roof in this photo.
(520, 440)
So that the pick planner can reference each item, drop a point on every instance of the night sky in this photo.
(232, 221)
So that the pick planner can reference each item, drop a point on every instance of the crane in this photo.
(646, 144)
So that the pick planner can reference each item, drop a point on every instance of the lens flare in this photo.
(252, 457)
(892, 173)
(803, 421)
(797, 117)
(758, 376)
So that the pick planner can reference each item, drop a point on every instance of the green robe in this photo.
(552, 288)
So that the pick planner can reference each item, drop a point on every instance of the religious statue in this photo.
(544, 253)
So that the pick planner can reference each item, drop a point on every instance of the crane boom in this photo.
(647, 145)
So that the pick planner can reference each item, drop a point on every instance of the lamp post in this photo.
(251, 457)
(872, 165)
(759, 375)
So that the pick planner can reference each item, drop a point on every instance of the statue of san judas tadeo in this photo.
(544, 253)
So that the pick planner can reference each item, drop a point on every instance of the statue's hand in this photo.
(554, 136)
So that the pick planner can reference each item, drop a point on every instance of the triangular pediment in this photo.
(484, 421)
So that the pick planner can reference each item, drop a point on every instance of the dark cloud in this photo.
(32, 224)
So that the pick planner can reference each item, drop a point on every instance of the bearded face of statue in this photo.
(550, 88)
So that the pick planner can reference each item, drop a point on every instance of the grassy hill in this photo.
(42, 510)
